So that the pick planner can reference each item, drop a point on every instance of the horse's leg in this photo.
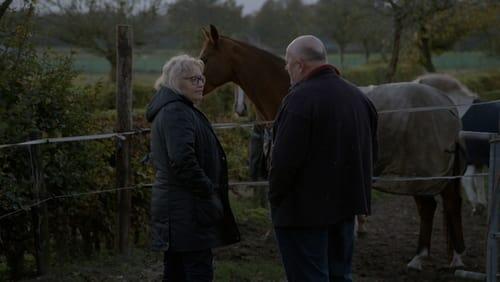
(361, 220)
(468, 185)
(453, 223)
(426, 206)
(481, 190)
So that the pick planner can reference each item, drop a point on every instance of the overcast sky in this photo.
(251, 6)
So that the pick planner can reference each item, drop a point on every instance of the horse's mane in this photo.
(258, 51)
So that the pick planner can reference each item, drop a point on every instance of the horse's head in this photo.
(216, 56)
(259, 73)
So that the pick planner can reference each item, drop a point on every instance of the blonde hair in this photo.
(174, 69)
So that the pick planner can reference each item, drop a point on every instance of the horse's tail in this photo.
(452, 195)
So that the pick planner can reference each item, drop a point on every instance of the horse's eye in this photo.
(204, 60)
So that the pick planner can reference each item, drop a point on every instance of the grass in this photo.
(261, 270)
(152, 61)
(476, 70)
(491, 95)
(253, 259)
(3, 267)
(466, 60)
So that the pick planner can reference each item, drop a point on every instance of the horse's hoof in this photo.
(456, 262)
(479, 210)
(415, 264)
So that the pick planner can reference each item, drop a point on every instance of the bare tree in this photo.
(372, 28)
(336, 19)
(400, 11)
(185, 18)
(424, 13)
(90, 24)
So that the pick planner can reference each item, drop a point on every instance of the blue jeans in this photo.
(317, 254)
(194, 266)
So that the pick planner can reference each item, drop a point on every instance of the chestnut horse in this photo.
(263, 78)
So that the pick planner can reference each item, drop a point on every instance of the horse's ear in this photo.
(214, 35)
(206, 35)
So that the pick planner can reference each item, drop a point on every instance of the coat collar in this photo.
(323, 69)
(163, 97)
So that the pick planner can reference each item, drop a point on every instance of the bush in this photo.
(375, 73)
(38, 100)
(105, 98)
(484, 83)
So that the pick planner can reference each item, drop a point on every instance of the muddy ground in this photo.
(391, 241)
(380, 255)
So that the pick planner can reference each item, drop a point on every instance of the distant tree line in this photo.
(423, 28)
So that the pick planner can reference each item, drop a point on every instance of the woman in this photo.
(190, 206)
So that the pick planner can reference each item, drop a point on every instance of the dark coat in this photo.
(189, 206)
(323, 152)
(482, 118)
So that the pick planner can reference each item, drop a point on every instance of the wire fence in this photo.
(123, 135)
(231, 184)
(222, 126)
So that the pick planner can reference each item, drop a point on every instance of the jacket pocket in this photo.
(208, 211)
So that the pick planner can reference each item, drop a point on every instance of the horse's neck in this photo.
(464, 101)
(264, 80)
(366, 89)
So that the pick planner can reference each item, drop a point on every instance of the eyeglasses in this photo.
(196, 79)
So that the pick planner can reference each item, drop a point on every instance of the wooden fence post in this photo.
(124, 123)
(39, 213)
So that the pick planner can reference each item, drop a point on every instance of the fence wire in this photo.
(231, 184)
(123, 135)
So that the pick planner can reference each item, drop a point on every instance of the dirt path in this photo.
(391, 242)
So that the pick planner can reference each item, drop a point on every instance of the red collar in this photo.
(321, 68)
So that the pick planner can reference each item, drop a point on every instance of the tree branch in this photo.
(4, 7)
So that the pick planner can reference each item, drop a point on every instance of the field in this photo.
(479, 71)
(152, 61)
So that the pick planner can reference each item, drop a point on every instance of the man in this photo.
(321, 167)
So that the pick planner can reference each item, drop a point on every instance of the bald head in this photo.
(308, 48)
(304, 54)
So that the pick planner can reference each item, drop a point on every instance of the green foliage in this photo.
(485, 83)
(147, 65)
(90, 24)
(105, 98)
(257, 270)
(218, 106)
(39, 100)
(375, 73)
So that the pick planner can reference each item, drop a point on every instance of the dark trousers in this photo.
(317, 254)
(194, 266)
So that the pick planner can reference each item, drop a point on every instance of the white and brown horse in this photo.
(481, 119)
